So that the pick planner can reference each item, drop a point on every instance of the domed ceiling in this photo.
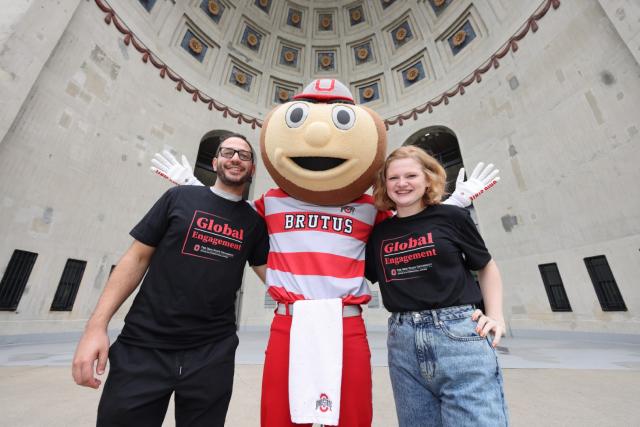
(393, 54)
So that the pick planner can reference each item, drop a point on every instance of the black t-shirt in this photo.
(423, 261)
(202, 243)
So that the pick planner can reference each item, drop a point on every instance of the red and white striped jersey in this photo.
(317, 252)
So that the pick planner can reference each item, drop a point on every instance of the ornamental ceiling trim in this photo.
(511, 45)
(476, 75)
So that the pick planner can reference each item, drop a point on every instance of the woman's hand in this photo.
(488, 325)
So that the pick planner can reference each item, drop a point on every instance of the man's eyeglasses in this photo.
(228, 153)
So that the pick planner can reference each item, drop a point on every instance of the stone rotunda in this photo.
(547, 90)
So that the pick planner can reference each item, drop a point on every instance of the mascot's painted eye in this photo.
(297, 114)
(343, 117)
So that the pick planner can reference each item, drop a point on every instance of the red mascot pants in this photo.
(355, 406)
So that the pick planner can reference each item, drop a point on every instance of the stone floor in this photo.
(554, 380)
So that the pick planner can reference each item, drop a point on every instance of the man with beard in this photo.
(180, 333)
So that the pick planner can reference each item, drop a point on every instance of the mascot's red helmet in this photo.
(326, 90)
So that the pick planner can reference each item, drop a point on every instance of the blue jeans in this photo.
(442, 372)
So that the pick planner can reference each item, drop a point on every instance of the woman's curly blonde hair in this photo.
(433, 170)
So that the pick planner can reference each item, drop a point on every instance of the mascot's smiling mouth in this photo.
(317, 163)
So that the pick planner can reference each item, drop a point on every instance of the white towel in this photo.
(315, 361)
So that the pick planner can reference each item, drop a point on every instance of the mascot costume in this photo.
(323, 152)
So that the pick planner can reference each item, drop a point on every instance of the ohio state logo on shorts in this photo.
(324, 403)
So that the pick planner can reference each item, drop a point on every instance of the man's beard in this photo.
(233, 182)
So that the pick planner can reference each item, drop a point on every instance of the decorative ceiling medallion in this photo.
(325, 61)
(438, 3)
(459, 37)
(401, 34)
(356, 15)
(195, 46)
(264, 3)
(412, 73)
(252, 40)
(362, 53)
(296, 17)
(283, 95)
(241, 78)
(289, 56)
(214, 8)
(325, 22)
(368, 93)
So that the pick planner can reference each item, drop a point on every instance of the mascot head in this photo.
(321, 148)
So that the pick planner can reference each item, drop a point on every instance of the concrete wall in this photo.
(625, 17)
(29, 30)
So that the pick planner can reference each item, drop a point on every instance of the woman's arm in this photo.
(491, 288)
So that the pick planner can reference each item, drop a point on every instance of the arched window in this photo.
(209, 143)
(441, 143)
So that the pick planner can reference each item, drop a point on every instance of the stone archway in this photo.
(203, 169)
(442, 143)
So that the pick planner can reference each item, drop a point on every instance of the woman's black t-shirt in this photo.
(423, 261)
(202, 243)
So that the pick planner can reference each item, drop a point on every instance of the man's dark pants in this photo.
(141, 381)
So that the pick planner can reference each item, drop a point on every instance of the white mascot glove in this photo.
(168, 167)
(480, 181)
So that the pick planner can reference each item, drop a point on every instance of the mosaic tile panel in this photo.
(325, 22)
(326, 61)
(369, 93)
(439, 6)
(387, 3)
(194, 46)
(356, 15)
(241, 78)
(251, 38)
(213, 9)
(461, 38)
(289, 56)
(294, 18)
(282, 94)
(147, 4)
(401, 34)
(363, 53)
(413, 74)
(263, 5)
